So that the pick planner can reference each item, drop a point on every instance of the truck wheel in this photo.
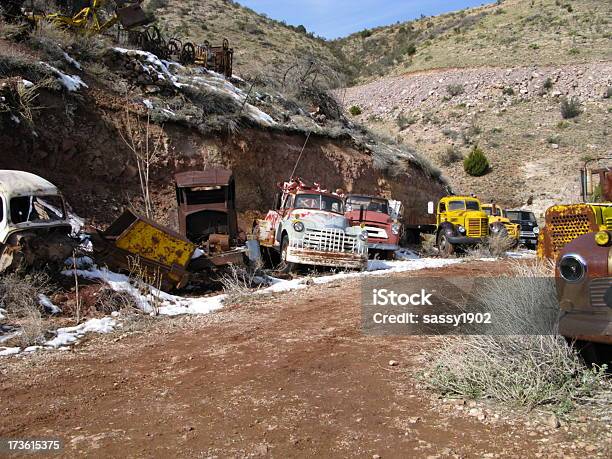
(285, 266)
(444, 246)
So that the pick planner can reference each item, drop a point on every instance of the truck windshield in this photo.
(205, 195)
(489, 211)
(517, 215)
(370, 204)
(319, 202)
(463, 205)
(36, 209)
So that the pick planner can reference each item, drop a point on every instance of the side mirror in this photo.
(430, 208)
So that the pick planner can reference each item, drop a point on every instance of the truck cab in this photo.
(380, 218)
(566, 222)
(307, 226)
(460, 223)
(584, 289)
(528, 225)
(34, 222)
(498, 218)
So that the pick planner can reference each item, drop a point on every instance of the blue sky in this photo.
(338, 18)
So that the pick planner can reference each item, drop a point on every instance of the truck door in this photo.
(441, 212)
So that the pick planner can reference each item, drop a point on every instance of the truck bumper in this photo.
(464, 240)
(383, 246)
(331, 259)
(596, 328)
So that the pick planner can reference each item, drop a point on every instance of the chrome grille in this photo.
(378, 233)
(598, 288)
(329, 240)
(528, 234)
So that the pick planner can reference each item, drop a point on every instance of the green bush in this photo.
(570, 108)
(355, 110)
(455, 89)
(476, 164)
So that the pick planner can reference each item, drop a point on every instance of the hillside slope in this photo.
(513, 115)
(263, 47)
(508, 33)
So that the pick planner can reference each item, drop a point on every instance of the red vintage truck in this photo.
(380, 217)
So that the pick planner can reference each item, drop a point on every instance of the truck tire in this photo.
(444, 246)
(284, 266)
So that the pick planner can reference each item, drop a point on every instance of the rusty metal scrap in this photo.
(156, 247)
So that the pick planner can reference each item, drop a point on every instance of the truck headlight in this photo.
(602, 238)
(495, 228)
(572, 268)
(363, 236)
(395, 228)
(298, 226)
(461, 229)
(536, 230)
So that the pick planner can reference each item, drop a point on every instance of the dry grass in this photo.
(238, 283)
(524, 363)
(19, 297)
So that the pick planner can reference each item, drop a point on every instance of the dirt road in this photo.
(286, 376)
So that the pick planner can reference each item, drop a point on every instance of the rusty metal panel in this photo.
(210, 177)
(565, 223)
(157, 247)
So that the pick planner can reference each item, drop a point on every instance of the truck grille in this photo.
(329, 240)
(528, 234)
(377, 233)
(609, 223)
(598, 288)
(565, 228)
(511, 229)
(477, 227)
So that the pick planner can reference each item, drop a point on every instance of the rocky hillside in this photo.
(264, 48)
(514, 115)
(504, 34)
(79, 112)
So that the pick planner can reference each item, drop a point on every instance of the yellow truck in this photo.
(498, 215)
(460, 223)
(567, 222)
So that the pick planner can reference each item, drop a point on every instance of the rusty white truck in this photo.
(34, 223)
(307, 226)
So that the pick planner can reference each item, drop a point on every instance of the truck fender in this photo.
(448, 228)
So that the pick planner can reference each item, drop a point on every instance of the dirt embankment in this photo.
(78, 147)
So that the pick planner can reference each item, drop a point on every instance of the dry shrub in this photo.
(48, 37)
(19, 296)
(238, 283)
(524, 363)
(109, 300)
(495, 246)
(499, 244)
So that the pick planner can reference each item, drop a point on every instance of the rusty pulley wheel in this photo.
(188, 54)
(174, 48)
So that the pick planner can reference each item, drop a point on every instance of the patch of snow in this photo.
(147, 103)
(2, 313)
(69, 335)
(168, 305)
(406, 254)
(15, 119)
(198, 253)
(46, 303)
(71, 61)
(32, 349)
(70, 82)
(27, 83)
(4, 351)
